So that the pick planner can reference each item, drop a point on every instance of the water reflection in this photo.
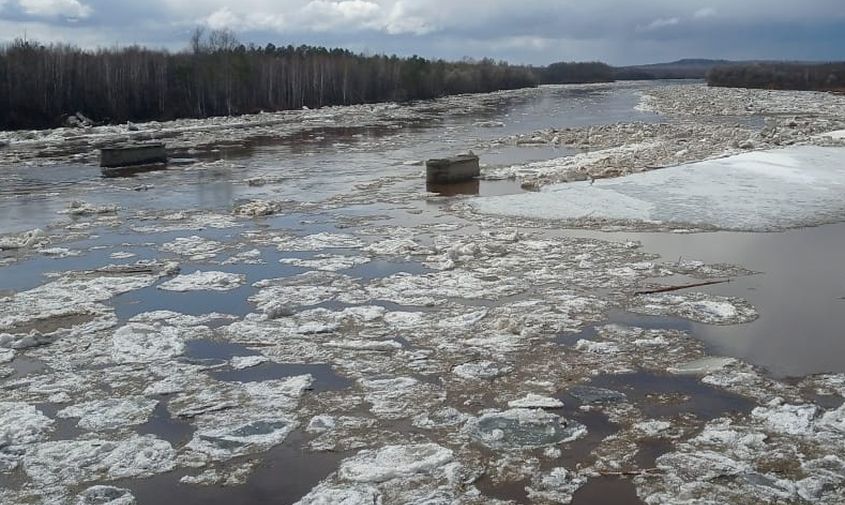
(456, 189)
(132, 171)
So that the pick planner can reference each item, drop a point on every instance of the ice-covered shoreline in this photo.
(757, 191)
(701, 124)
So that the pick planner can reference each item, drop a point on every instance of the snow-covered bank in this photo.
(759, 191)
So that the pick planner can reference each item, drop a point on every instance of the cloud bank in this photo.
(540, 31)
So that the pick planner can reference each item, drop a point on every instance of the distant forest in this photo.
(796, 76)
(576, 73)
(45, 84)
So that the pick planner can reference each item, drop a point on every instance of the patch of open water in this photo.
(799, 294)
(219, 353)
(284, 475)
(664, 396)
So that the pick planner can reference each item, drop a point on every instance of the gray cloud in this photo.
(541, 31)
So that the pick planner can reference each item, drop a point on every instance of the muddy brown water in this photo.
(285, 474)
(799, 293)
(666, 397)
(607, 491)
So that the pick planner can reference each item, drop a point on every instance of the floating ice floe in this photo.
(240, 418)
(484, 370)
(534, 401)
(228, 476)
(429, 289)
(276, 297)
(105, 495)
(321, 241)
(400, 397)
(257, 208)
(145, 343)
(520, 429)
(183, 221)
(556, 486)
(22, 424)
(403, 246)
(194, 248)
(121, 255)
(594, 395)
(6, 355)
(73, 462)
(245, 437)
(787, 419)
(702, 366)
(69, 305)
(79, 208)
(341, 494)
(110, 414)
(204, 281)
(699, 307)
(244, 362)
(395, 461)
(761, 191)
(32, 238)
(781, 454)
(251, 257)
(652, 428)
(327, 263)
(59, 252)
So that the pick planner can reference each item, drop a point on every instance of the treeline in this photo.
(576, 72)
(44, 84)
(794, 76)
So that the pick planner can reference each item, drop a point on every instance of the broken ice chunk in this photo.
(485, 370)
(594, 395)
(144, 343)
(354, 494)
(110, 414)
(22, 424)
(194, 248)
(557, 486)
(700, 307)
(204, 281)
(534, 401)
(227, 442)
(327, 262)
(394, 461)
(105, 495)
(524, 429)
(72, 462)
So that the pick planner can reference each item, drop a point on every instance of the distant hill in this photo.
(682, 69)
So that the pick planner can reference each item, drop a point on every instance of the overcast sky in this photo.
(527, 31)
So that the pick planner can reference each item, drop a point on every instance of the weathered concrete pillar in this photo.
(131, 155)
(458, 169)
